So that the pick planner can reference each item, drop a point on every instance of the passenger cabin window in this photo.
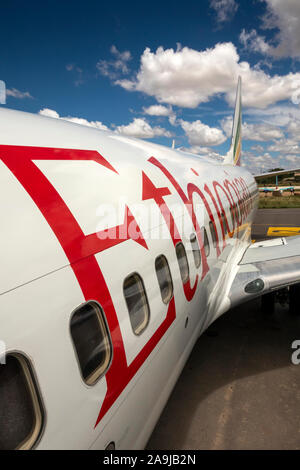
(91, 341)
(137, 303)
(20, 405)
(241, 208)
(232, 215)
(196, 250)
(164, 278)
(224, 223)
(183, 262)
(205, 241)
(236, 211)
(213, 233)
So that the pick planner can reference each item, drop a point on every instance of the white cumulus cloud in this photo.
(140, 128)
(225, 9)
(84, 122)
(280, 115)
(260, 132)
(202, 151)
(49, 113)
(200, 134)
(283, 16)
(158, 110)
(186, 77)
(293, 158)
(294, 129)
(285, 147)
(258, 164)
(253, 41)
(117, 66)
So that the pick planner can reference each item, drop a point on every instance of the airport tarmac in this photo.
(239, 388)
(267, 218)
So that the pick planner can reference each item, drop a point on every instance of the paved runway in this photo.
(239, 389)
(275, 218)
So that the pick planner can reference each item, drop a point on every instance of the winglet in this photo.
(233, 157)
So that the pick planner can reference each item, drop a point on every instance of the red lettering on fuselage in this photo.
(218, 185)
(151, 192)
(189, 205)
(80, 248)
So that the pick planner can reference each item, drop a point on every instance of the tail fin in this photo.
(234, 155)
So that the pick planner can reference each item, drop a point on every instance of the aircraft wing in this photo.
(280, 188)
(265, 267)
(275, 173)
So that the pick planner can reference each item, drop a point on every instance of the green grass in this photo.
(288, 202)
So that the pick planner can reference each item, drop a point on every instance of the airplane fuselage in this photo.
(82, 211)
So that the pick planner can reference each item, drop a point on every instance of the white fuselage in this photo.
(62, 185)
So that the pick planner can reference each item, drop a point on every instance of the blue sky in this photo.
(162, 71)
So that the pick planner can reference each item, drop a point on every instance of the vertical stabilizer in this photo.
(233, 157)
